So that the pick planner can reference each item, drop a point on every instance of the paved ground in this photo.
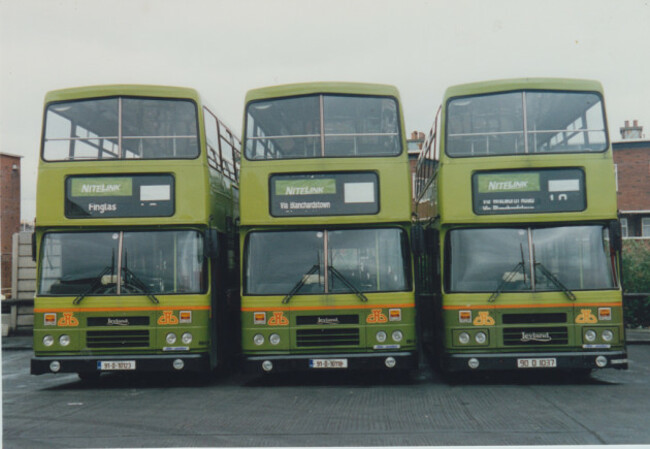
(323, 409)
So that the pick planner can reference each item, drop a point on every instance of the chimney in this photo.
(631, 132)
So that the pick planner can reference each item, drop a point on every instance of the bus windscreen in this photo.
(564, 257)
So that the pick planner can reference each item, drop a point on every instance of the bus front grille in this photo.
(533, 336)
(534, 318)
(117, 339)
(327, 337)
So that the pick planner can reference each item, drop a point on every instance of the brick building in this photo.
(632, 161)
(9, 213)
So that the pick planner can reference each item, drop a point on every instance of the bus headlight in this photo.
(480, 338)
(274, 339)
(381, 336)
(258, 339)
(397, 336)
(186, 338)
(463, 338)
(64, 340)
(170, 338)
(48, 340)
(608, 335)
(590, 336)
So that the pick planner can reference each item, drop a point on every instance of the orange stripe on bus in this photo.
(120, 309)
(360, 306)
(534, 306)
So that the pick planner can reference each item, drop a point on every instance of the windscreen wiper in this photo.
(131, 278)
(97, 281)
(511, 275)
(300, 283)
(348, 284)
(551, 277)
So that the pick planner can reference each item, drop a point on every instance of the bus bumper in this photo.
(335, 362)
(129, 363)
(536, 360)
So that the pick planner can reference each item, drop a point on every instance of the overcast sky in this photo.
(223, 48)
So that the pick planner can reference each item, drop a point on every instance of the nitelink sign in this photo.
(119, 196)
(98, 187)
(515, 182)
(529, 191)
(350, 193)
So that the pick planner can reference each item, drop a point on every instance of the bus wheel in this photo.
(89, 376)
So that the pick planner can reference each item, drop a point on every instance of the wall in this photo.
(9, 214)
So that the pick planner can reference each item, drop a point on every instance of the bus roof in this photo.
(112, 90)
(522, 84)
(286, 90)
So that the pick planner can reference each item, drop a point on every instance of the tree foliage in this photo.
(636, 266)
(636, 279)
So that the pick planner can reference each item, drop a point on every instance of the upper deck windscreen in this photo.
(121, 128)
(525, 122)
(322, 126)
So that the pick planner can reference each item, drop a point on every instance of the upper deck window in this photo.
(525, 122)
(322, 126)
(121, 128)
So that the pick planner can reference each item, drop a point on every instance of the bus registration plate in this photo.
(117, 365)
(328, 363)
(537, 363)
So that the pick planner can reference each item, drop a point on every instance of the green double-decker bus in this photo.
(519, 257)
(325, 223)
(135, 232)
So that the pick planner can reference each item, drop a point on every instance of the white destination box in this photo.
(359, 192)
(564, 185)
(155, 193)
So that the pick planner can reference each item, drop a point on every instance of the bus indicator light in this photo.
(49, 319)
(605, 313)
(464, 316)
(395, 314)
(259, 318)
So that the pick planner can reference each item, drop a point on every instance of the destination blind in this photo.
(350, 193)
(117, 196)
(529, 191)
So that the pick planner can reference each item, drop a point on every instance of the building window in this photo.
(645, 227)
(624, 231)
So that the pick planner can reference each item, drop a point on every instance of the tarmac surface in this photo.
(319, 409)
